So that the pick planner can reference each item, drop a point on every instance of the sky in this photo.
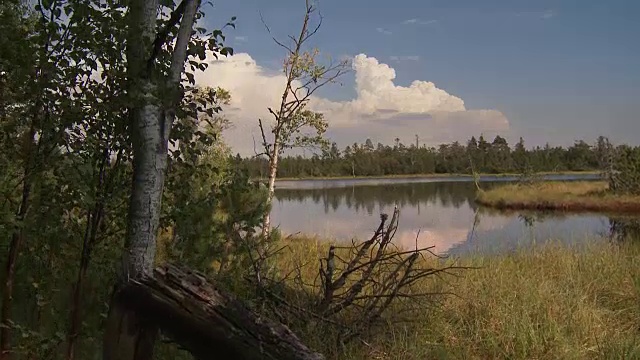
(548, 70)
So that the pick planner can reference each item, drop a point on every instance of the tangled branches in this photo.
(358, 287)
(360, 282)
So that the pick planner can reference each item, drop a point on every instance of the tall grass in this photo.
(547, 302)
(556, 195)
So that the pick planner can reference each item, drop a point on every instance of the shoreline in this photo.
(581, 197)
(426, 176)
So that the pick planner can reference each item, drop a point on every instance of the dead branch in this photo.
(265, 143)
(358, 290)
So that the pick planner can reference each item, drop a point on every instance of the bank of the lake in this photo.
(577, 196)
(434, 176)
(551, 301)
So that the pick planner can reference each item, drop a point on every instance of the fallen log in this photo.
(206, 321)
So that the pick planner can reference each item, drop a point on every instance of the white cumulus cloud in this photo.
(404, 58)
(381, 110)
(383, 31)
(418, 21)
(548, 14)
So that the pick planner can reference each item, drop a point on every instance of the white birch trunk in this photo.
(128, 336)
(149, 165)
(273, 172)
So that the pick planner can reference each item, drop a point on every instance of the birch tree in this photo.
(293, 124)
(155, 93)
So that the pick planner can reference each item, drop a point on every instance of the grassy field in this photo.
(549, 302)
(588, 196)
(409, 176)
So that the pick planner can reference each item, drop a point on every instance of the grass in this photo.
(574, 196)
(410, 176)
(546, 302)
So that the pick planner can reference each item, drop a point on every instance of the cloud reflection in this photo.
(444, 213)
(440, 212)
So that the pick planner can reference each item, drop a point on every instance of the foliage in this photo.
(477, 156)
(210, 205)
(625, 176)
(66, 165)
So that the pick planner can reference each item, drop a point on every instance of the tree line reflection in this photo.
(368, 198)
(372, 198)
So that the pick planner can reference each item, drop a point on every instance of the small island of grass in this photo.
(578, 196)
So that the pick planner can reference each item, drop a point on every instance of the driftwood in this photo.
(206, 321)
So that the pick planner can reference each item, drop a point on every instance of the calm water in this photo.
(442, 209)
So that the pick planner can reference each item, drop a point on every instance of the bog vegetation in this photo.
(618, 193)
(112, 162)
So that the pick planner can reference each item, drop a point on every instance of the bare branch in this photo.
(273, 37)
(265, 143)
(255, 151)
(161, 37)
(315, 30)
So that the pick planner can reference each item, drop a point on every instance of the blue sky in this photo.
(557, 69)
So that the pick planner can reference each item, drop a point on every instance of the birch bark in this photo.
(129, 336)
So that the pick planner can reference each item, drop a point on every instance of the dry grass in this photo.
(575, 196)
(548, 302)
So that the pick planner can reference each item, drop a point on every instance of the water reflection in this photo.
(443, 213)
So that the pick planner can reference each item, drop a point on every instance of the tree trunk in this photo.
(17, 238)
(7, 296)
(206, 321)
(128, 336)
(273, 172)
(74, 317)
(38, 309)
(94, 217)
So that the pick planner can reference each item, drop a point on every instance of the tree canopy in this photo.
(477, 155)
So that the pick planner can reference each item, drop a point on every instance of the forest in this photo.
(477, 155)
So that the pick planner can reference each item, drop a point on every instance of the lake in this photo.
(442, 209)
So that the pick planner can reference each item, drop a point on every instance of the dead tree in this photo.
(205, 320)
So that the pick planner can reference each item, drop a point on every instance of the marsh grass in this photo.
(575, 196)
(550, 301)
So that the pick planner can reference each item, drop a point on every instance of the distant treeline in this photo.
(494, 157)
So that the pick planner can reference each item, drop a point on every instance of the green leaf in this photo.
(190, 78)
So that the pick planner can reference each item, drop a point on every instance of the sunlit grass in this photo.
(556, 195)
(550, 301)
